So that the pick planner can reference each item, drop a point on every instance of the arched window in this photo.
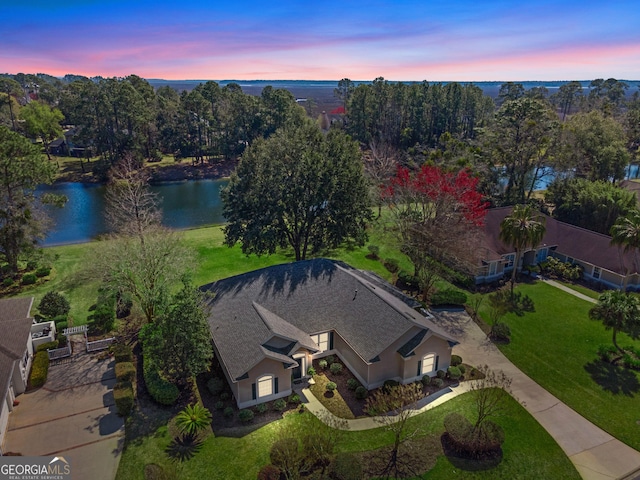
(429, 363)
(265, 386)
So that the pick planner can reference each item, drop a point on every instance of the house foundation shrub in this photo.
(311, 371)
(215, 385)
(123, 396)
(322, 364)
(426, 380)
(361, 393)
(43, 347)
(352, 384)
(295, 398)
(437, 382)
(225, 396)
(262, 407)
(441, 374)
(245, 416)
(336, 368)
(454, 373)
(456, 360)
(279, 405)
(227, 412)
(219, 405)
(125, 372)
(39, 369)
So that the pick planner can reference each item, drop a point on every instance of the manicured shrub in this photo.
(409, 280)
(330, 359)
(225, 396)
(43, 347)
(500, 331)
(279, 405)
(43, 271)
(269, 472)
(454, 373)
(245, 415)
(219, 405)
(456, 360)
(352, 384)
(462, 369)
(160, 389)
(336, 368)
(388, 384)
(426, 380)
(8, 281)
(125, 372)
(39, 369)
(322, 364)
(262, 407)
(391, 264)
(448, 296)
(361, 393)
(295, 398)
(346, 466)
(331, 386)
(122, 352)
(228, 412)
(311, 371)
(374, 251)
(437, 382)
(215, 385)
(32, 264)
(29, 278)
(441, 374)
(61, 326)
(123, 396)
(467, 440)
(104, 316)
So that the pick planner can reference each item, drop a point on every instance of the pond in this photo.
(184, 204)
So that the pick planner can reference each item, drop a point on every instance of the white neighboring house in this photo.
(16, 353)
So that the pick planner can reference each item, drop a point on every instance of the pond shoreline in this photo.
(165, 173)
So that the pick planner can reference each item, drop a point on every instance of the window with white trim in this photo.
(265, 386)
(597, 271)
(510, 260)
(428, 363)
(322, 340)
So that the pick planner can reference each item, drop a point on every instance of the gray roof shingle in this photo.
(304, 298)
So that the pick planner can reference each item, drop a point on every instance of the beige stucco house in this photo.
(601, 262)
(268, 325)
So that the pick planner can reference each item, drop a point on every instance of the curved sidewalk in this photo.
(595, 454)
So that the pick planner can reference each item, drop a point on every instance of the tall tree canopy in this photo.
(43, 122)
(297, 188)
(619, 312)
(22, 169)
(592, 205)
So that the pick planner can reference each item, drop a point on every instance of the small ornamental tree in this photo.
(619, 312)
(193, 419)
(437, 216)
(54, 304)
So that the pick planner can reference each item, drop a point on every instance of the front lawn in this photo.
(529, 452)
(556, 346)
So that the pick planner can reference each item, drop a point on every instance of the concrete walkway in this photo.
(569, 290)
(595, 454)
(72, 415)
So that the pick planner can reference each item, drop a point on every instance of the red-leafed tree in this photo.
(437, 215)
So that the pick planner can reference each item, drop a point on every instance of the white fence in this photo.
(56, 353)
(99, 344)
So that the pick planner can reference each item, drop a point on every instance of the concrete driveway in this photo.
(72, 415)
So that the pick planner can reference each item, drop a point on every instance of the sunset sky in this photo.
(324, 40)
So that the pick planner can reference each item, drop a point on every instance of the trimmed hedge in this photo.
(123, 396)
(245, 415)
(43, 347)
(39, 369)
(336, 368)
(29, 279)
(449, 296)
(454, 373)
(456, 360)
(125, 372)
(122, 353)
(352, 384)
(162, 391)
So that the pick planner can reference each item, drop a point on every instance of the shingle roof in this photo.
(15, 328)
(304, 298)
(576, 242)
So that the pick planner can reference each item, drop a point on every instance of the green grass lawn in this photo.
(580, 288)
(556, 346)
(529, 452)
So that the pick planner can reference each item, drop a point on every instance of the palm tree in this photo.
(618, 312)
(523, 229)
(193, 419)
(626, 232)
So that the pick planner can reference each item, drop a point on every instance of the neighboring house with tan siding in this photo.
(268, 325)
(602, 262)
(16, 353)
